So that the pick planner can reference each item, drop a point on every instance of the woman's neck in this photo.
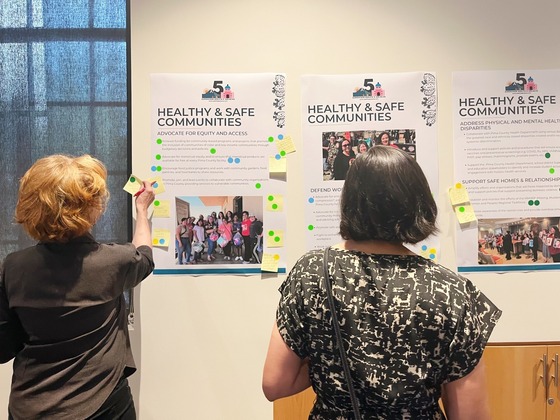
(374, 246)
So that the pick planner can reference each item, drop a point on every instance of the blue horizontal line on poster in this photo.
(499, 268)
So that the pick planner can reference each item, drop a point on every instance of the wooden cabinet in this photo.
(296, 407)
(523, 382)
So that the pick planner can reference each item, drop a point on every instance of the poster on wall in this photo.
(506, 127)
(214, 151)
(345, 115)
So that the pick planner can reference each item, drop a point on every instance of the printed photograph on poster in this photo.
(340, 148)
(519, 241)
(213, 230)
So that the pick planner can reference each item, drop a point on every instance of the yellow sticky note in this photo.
(429, 254)
(277, 166)
(270, 263)
(285, 145)
(157, 183)
(274, 238)
(160, 237)
(274, 202)
(458, 194)
(465, 213)
(133, 184)
(162, 208)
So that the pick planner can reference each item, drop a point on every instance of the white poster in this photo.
(507, 151)
(356, 112)
(215, 139)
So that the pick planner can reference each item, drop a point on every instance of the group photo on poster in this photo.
(519, 241)
(219, 230)
(341, 148)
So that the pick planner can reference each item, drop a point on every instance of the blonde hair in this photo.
(61, 197)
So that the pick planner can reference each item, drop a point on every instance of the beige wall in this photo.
(200, 342)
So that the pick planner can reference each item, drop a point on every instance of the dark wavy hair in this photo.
(386, 196)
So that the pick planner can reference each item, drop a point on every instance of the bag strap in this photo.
(336, 327)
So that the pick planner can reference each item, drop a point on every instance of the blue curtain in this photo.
(64, 88)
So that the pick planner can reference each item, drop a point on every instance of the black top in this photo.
(63, 317)
(408, 325)
(341, 165)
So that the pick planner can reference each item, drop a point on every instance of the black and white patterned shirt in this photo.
(408, 326)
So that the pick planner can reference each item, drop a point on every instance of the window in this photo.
(64, 88)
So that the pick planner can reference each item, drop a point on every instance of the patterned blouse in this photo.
(408, 326)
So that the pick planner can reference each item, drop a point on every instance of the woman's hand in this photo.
(145, 198)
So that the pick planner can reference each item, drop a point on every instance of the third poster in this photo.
(507, 153)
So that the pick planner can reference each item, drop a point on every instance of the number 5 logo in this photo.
(217, 86)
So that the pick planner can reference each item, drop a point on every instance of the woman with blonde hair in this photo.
(62, 310)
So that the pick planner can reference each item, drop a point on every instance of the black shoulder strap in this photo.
(336, 327)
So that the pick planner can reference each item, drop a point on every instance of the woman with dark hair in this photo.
(384, 139)
(412, 330)
(343, 160)
(362, 147)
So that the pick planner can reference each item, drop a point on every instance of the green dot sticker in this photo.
(258, 185)
(156, 203)
(547, 155)
(158, 157)
(270, 233)
(132, 179)
(159, 141)
(274, 206)
(158, 169)
(551, 170)
(462, 209)
(277, 239)
(270, 139)
(310, 227)
(283, 153)
(270, 198)
(213, 151)
(531, 202)
(537, 202)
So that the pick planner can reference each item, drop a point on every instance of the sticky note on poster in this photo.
(465, 213)
(458, 194)
(162, 209)
(133, 184)
(274, 238)
(270, 263)
(274, 202)
(160, 237)
(285, 145)
(157, 183)
(277, 167)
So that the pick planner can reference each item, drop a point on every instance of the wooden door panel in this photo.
(553, 404)
(514, 381)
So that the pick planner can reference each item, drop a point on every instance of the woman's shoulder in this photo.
(308, 265)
